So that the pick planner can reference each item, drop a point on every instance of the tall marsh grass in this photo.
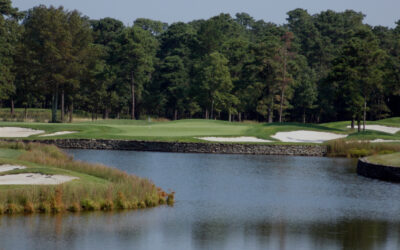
(111, 189)
(355, 149)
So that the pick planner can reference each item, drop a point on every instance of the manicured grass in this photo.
(388, 160)
(188, 130)
(177, 130)
(98, 187)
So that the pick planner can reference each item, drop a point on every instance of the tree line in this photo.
(323, 67)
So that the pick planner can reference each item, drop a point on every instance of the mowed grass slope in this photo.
(388, 159)
(188, 130)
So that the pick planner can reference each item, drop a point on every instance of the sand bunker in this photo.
(306, 136)
(386, 129)
(233, 139)
(7, 167)
(34, 179)
(18, 132)
(59, 133)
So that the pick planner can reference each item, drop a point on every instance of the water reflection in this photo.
(228, 202)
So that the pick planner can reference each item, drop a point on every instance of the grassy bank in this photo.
(98, 187)
(387, 160)
(355, 149)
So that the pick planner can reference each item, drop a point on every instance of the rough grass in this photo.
(355, 149)
(388, 160)
(98, 187)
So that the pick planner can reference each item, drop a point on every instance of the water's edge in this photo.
(186, 147)
(376, 171)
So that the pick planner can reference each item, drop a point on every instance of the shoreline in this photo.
(377, 171)
(184, 147)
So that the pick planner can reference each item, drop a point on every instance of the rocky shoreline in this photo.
(187, 147)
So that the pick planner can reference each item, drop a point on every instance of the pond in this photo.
(228, 202)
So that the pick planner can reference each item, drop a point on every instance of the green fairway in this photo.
(188, 130)
(388, 160)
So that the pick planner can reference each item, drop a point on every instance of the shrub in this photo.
(107, 205)
(74, 207)
(29, 208)
(88, 205)
(171, 199)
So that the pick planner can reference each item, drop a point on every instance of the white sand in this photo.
(306, 136)
(7, 167)
(386, 129)
(374, 141)
(60, 133)
(233, 139)
(382, 140)
(18, 132)
(34, 179)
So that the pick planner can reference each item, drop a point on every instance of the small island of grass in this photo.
(392, 160)
(84, 186)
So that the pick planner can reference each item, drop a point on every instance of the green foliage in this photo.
(317, 67)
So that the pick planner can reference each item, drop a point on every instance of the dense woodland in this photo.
(316, 68)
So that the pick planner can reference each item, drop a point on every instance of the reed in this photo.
(99, 187)
(356, 149)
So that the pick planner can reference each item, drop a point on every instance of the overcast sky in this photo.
(378, 12)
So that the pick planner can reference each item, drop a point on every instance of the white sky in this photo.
(379, 12)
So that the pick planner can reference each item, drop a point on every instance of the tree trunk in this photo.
(281, 106)
(26, 113)
(71, 111)
(54, 105)
(365, 113)
(230, 116)
(359, 124)
(62, 105)
(206, 114)
(240, 116)
(133, 98)
(12, 107)
(271, 110)
(212, 110)
(304, 116)
(284, 85)
(352, 122)
(175, 114)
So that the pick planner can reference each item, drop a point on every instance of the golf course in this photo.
(191, 130)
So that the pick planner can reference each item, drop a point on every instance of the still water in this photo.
(228, 202)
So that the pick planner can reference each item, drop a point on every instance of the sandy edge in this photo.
(34, 179)
(59, 133)
(8, 167)
(18, 132)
